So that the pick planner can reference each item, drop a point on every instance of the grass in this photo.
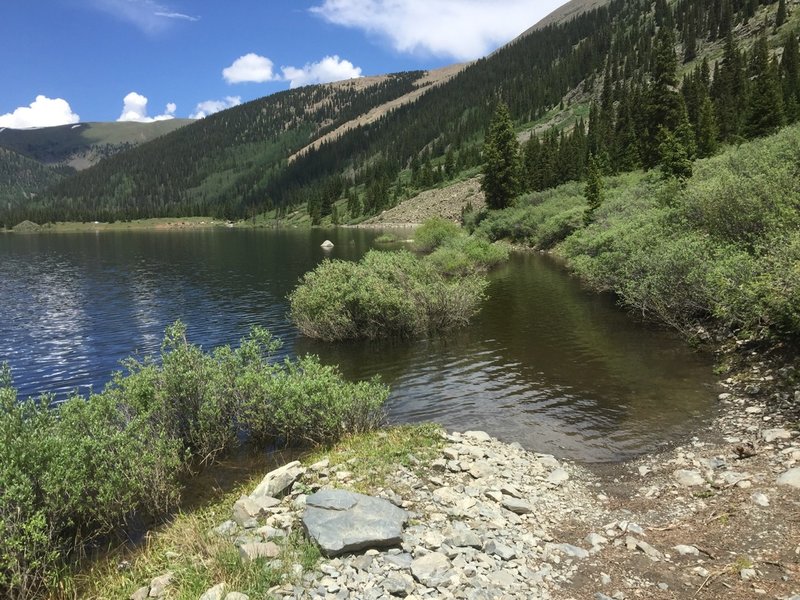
(164, 223)
(198, 557)
(373, 457)
(187, 546)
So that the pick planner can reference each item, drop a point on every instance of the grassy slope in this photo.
(724, 248)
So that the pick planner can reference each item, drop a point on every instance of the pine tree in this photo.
(729, 92)
(665, 104)
(706, 131)
(765, 107)
(502, 165)
(780, 19)
(790, 77)
(593, 191)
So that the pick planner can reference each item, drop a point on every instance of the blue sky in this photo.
(104, 60)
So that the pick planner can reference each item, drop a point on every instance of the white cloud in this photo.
(176, 15)
(148, 15)
(250, 68)
(42, 112)
(209, 107)
(459, 29)
(134, 108)
(330, 68)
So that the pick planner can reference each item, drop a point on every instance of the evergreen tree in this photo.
(765, 108)
(706, 131)
(677, 150)
(730, 92)
(790, 77)
(665, 104)
(501, 172)
(780, 18)
(593, 191)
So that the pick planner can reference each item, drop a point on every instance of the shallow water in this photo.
(545, 364)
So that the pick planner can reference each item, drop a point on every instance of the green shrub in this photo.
(79, 470)
(434, 232)
(386, 294)
(385, 238)
(465, 255)
(308, 403)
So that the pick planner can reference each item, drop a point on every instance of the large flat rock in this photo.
(340, 522)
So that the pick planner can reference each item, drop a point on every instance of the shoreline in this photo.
(703, 519)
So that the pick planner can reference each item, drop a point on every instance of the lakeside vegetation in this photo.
(398, 294)
(75, 472)
(721, 246)
(188, 547)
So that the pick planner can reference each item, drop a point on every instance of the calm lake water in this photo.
(545, 364)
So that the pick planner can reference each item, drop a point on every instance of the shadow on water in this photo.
(545, 363)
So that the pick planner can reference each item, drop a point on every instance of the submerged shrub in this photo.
(434, 232)
(386, 294)
(465, 255)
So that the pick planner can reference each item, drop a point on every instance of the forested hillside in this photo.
(625, 82)
(23, 177)
(31, 160)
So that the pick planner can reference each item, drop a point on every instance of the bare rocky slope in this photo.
(447, 202)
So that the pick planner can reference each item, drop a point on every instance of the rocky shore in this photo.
(716, 517)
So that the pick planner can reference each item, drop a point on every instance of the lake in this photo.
(545, 364)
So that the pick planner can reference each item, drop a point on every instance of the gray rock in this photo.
(431, 570)
(450, 453)
(649, 550)
(278, 481)
(558, 477)
(340, 522)
(320, 465)
(327, 244)
(401, 561)
(519, 507)
(215, 593)
(770, 435)
(747, 574)
(504, 578)
(399, 584)
(247, 508)
(237, 596)
(573, 551)
(254, 551)
(549, 461)
(481, 470)
(688, 478)
(760, 499)
(478, 436)
(685, 550)
(463, 538)
(510, 490)
(141, 594)
(595, 540)
(790, 478)
(501, 550)
(158, 586)
(362, 563)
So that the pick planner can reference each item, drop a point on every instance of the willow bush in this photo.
(79, 470)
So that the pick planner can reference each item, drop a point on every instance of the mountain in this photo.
(594, 78)
(23, 177)
(31, 160)
(82, 145)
